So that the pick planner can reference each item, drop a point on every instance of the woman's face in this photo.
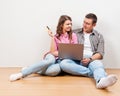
(67, 26)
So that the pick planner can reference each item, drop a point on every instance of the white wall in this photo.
(23, 37)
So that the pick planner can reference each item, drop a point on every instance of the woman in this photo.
(50, 64)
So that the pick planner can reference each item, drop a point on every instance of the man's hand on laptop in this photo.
(85, 61)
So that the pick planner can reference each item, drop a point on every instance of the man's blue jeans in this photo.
(94, 69)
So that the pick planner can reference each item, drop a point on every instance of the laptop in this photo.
(70, 51)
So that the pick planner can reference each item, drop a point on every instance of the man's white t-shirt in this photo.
(87, 46)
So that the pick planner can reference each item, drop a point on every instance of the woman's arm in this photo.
(50, 33)
(53, 47)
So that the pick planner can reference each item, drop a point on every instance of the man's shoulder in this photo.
(96, 32)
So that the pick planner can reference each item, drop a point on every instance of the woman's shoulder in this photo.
(74, 34)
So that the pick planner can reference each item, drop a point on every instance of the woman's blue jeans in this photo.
(48, 66)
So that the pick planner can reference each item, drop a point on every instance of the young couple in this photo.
(91, 64)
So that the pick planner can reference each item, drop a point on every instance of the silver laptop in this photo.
(70, 51)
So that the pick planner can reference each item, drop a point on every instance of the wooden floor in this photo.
(35, 85)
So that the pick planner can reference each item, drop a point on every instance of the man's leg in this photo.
(99, 74)
(74, 68)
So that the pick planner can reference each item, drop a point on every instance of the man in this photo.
(91, 64)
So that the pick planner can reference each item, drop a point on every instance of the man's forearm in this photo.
(96, 56)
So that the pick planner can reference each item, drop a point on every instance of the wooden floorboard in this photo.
(35, 85)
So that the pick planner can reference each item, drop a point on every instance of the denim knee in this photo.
(50, 58)
(53, 70)
(96, 64)
(64, 64)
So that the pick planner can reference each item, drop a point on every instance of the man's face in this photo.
(88, 25)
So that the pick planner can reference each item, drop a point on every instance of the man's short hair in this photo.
(92, 16)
